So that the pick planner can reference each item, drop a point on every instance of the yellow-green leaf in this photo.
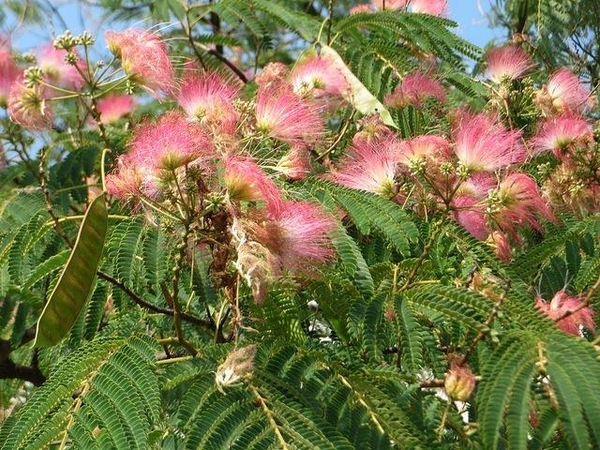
(77, 280)
(360, 97)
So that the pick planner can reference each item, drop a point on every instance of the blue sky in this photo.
(469, 14)
(473, 25)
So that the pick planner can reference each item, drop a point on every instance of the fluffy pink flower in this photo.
(364, 8)
(415, 89)
(431, 7)
(318, 76)
(560, 133)
(295, 165)
(507, 62)
(517, 202)
(562, 304)
(390, 4)
(370, 166)
(564, 92)
(469, 204)
(56, 69)
(113, 107)
(208, 98)
(156, 150)
(126, 182)
(168, 143)
(283, 115)
(429, 148)
(501, 245)
(485, 145)
(299, 236)
(29, 106)
(144, 58)
(9, 72)
(246, 181)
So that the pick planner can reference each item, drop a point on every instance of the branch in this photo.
(205, 323)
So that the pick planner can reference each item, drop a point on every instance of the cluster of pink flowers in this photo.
(471, 174)
(431, 7)
(215, 148)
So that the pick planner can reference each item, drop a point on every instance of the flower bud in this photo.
(459, 382)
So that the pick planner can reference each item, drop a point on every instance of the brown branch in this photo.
(205, 323)
(10, 370)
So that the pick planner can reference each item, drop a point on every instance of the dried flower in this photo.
(569, 312)
(144, 58)
(415, 89)
(237, 367)
(508, 62)
(482, 144)
(460, 381)
(208, 98)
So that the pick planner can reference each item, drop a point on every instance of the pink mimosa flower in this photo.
(58, 72)
(144, 58)
(482, 144)
(508, 62)
(415, 89)
(569, 313)
(390, 4)
(501, 245)
(9, 72)
(283, 115)
(318, 76)
(296, 164)
(156, 151)
(299, 236)
(429, 148)
(113, 107)
(564, 92)
(370, 166)
(126, 182)
(469, 204)
(246, 181)
(168, 143)
(517, 202)
(208, 98)
(364, 8)
(431, 7)
(29, 107)
(560, 133)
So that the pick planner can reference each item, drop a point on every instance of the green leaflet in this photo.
(76, 281)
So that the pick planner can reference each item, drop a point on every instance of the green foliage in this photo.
(165, 337)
